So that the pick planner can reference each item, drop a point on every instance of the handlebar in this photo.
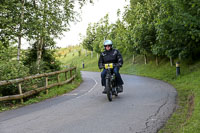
(111, 65)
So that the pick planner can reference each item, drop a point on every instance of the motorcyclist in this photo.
(111, 55)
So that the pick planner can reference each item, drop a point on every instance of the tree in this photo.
(90, 37)
(35, 20)
(96, 34)
(177, 30)
(48, 20)
(7, 25)
(140, 19)
(48, 61)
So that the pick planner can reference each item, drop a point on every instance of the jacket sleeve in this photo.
(100, 62)
(119, 59)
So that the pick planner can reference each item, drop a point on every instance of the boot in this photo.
(104, 91)
(120, 88)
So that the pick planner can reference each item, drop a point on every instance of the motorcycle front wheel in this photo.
(109, 90)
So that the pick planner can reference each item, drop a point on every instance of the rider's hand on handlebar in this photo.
(118, 65)
(101, 66)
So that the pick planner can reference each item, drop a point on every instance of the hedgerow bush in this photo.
(10, 68)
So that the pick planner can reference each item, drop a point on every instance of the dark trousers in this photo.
(119, 80)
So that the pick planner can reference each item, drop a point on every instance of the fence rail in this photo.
(20, 81)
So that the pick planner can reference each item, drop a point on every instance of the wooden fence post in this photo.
(20, 91)
(46, 84)
(58, 78)
(70, 73)
(66, 75)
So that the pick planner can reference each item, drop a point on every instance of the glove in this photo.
(118, 65)
(101, 66)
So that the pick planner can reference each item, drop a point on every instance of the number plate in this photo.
(110, 65)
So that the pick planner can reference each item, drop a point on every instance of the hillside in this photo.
(187, 114)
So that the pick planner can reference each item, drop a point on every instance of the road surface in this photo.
(144, 106)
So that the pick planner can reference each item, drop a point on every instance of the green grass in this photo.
(186, 117)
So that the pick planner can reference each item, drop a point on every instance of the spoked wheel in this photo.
(109, 91)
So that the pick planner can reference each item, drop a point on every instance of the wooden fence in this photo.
(46, 86)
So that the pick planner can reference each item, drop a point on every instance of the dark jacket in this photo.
(111, 56)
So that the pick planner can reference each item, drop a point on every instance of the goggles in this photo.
(108, 46)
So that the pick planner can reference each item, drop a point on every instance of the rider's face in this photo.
(108, 47)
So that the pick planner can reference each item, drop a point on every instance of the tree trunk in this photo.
(145, 59)
(20, 31)
(79, 53)
(86, 52)
(133, 59)
(41, 41)
(39, 53)
(171, 61)
(19, 48)
(157, 60)
(91, 54)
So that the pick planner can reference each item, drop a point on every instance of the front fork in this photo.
(108, 79)
(110, 82)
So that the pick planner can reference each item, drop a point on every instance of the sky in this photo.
(91, 13)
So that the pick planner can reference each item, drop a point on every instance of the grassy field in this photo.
(186, 117)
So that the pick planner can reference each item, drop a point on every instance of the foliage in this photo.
(120, 37)
(96, 34)
(166, 28)
(40, 18)
(48, 63)
(39, 21)
(10, 68)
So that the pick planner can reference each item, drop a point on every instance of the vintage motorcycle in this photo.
(110, 81)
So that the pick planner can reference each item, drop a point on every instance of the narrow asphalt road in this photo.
(144, 106)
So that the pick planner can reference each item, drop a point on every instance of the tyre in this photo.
(109, 95)
(109, 91)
